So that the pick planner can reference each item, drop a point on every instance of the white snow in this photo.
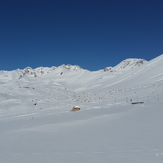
(37, 126)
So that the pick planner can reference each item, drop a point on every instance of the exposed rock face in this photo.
(75, 108)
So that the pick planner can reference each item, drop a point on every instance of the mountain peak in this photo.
(130, 63)
(127, 64)
(71, 68)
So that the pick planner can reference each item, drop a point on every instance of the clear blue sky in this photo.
(93, 34)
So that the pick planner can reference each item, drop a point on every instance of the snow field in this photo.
(36, 124)
(119, 133)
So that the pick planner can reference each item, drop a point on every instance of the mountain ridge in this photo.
(41, 71)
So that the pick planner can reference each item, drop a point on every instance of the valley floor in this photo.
(118, 134)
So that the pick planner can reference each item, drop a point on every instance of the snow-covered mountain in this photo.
(126, 65)
(68, 69)
(38, 72)
(36, 124)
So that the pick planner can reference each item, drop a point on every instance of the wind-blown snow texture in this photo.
(36, 125)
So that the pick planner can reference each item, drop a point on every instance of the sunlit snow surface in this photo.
(36, 125)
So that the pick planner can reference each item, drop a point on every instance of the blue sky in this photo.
(93, 34)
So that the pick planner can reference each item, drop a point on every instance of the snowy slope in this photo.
(37, 126)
